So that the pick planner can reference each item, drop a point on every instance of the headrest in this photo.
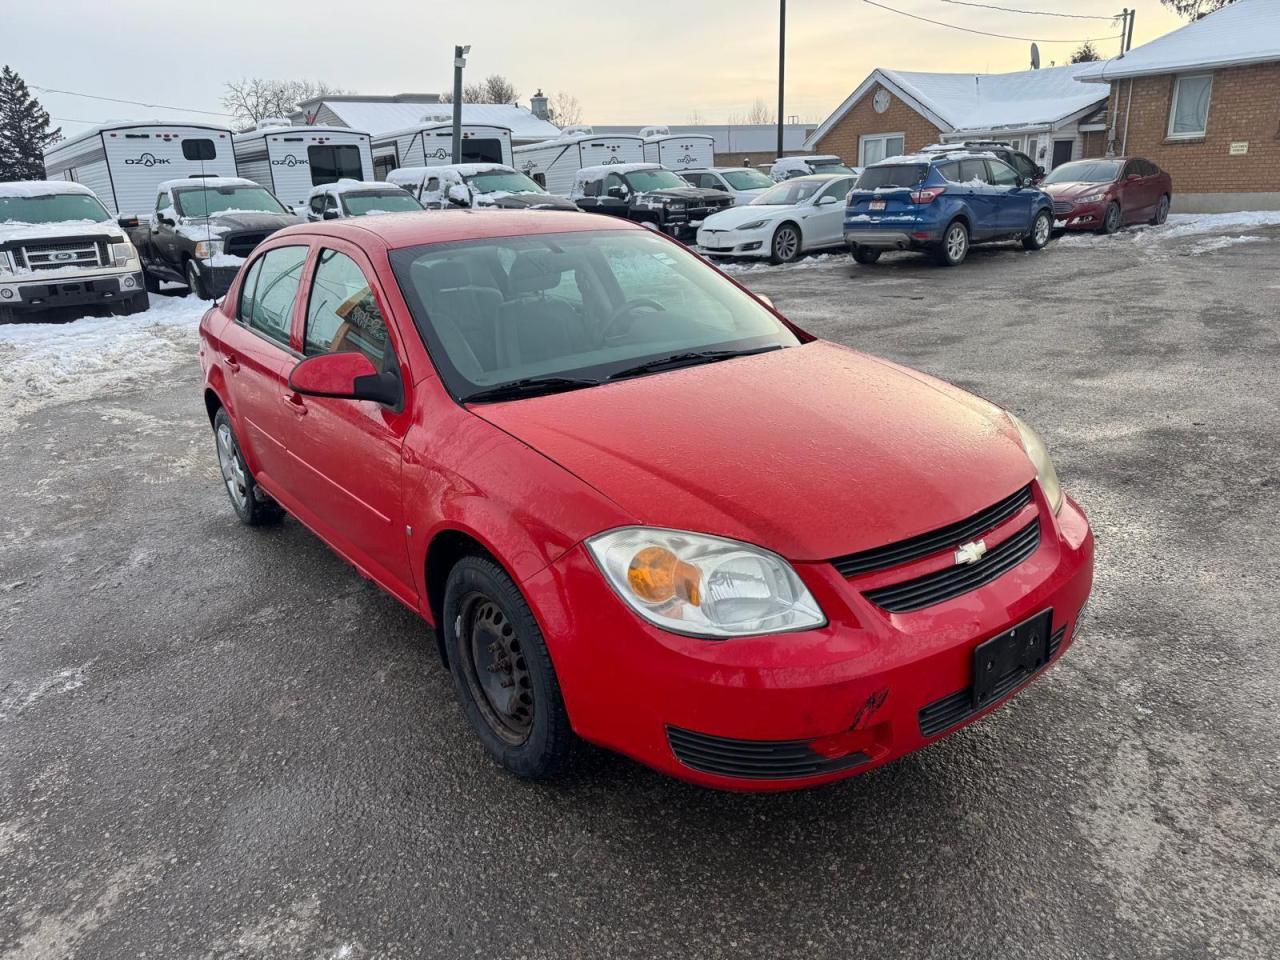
(535, 270)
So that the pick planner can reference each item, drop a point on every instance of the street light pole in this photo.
(459, 61)
(782, 65)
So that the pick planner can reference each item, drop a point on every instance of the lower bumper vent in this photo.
(755, 759)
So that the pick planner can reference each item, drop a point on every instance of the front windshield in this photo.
(52, 208)
(829, 166)
(389, 201)
(499, 181)
(204, 201)
(789, 192)
(642, 181)
(581, 305)
(745, 179)
(1085, 171)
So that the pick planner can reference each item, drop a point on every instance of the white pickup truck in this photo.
(60, 248)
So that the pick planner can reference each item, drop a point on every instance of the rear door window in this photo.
(971, 170)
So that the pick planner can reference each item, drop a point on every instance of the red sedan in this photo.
(1107, 194)
(637, 505)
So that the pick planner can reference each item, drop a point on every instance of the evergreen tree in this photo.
(24, 130)
(1086, 53)
(1195, 9)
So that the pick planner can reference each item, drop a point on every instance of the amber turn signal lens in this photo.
(657, 575)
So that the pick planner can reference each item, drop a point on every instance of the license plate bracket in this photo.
(876, 205)
(1022, 650)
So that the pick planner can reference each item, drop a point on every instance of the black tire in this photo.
(8, 315)
(150, 281)
(1112, 219)
(954, 246)
(1041, 232)
(196, 281)
(788, 250)
(866, 255)
(134, 303)
(521, 719)
(254, 507)
(1162, 211)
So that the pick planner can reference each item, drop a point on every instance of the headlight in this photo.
(702, 585)
(6, 265)
(753, 225)
(208, 248)
(1091, 198)
(122, 252)
(1039, 455)
(677, 206)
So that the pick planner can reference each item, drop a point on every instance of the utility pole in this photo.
(1128, 43)
(459, 61)
(782, 65)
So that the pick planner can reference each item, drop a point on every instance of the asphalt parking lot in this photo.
(216, 742)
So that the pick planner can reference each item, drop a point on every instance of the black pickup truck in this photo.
(647, 193)
(202, 230)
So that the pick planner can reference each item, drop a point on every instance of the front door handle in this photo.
(295, 403)
(232, 363)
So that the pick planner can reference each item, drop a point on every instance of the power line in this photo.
(983, 33)
(136, 103)
(1035, 13)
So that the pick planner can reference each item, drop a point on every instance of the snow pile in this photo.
(1179, 227)
(1221, 243)
(754, 266)
(47, 363)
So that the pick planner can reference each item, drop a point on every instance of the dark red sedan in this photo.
(637, 504)
(1107, 194)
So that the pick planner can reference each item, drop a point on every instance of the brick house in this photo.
(1203, 102)
(1045, 113)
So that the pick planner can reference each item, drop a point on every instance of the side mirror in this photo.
(1039, 171)
(345, 376)
(459, 195)
(616, 192)
(827, 201)
(166, 221)
(330, 215)
(127, 222)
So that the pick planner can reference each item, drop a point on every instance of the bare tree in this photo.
(565, 109)
(1195, 9)
(1086, 53)
(758, 112)
(494, 88)
(695, 117)
(254, 98)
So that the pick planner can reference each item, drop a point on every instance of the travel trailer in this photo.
(431, 144)
(682, 151)
(290, 161)
(125, 163)
(553, 164)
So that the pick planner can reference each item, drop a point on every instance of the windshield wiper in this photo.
(689, 359)
(529, 386)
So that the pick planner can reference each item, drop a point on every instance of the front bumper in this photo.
(35, 293)
(851, 693)
(1078, 216)
(735, 243)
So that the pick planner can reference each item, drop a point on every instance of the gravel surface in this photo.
(217, 742)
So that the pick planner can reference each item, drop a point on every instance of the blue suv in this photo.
(943, 203)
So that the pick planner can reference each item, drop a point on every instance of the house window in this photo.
(1189, 115)
(877, 147)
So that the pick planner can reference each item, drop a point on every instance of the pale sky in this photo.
(629, 61)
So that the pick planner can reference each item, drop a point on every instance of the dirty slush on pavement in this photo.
(208, 750)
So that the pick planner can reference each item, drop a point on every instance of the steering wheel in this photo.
(615, 327)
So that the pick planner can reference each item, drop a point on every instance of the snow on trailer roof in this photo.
(295, 129)
(1244, 32)
(212, 182)
(134, 124)
(42, 188)
(381, 118)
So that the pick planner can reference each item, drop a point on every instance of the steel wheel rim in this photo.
(1042, 229)
(956, 242)
(787, 243)
(234, 473)
(495, 669)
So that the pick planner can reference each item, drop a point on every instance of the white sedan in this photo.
(791, 219)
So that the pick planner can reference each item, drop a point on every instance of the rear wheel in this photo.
(865, 255)
(1041, 231)
(1111, 219)
(786, 244)
(954, 247)
(251, 504)
(196, 282)
(1162, 211)
(502, 671)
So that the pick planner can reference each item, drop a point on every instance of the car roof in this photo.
(818, 177)
(395, 231)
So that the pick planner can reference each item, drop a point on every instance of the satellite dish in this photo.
(1035, 57)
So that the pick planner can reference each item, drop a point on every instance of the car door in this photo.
(824, 224)
(346, 454)
(975, 181)
(257, 353)
(1148, 190)
(1131, 192)
(165, 257)
(1013, 201)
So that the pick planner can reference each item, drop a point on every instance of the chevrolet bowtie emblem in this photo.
(971, 552)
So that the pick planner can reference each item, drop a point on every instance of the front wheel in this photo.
(865, 255)
(954, 247)
(1111, 219)
(251, 504)
(502, 671)
(1041, 231)
(196, 282)
(786, 244)
(1162, 211)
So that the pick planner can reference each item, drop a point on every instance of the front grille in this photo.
(755, 759)
(1062, 206)
(943, 538)
(956, 580)
(242, 244)
(55, 256)
(958, 707)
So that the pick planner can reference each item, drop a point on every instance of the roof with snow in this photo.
(42, 188)
(1244, 32)
(380, 116)
(294, 129)
(134, 125)
(347, 186)
(212, 182)
(980, 102)
(729, 137)
(588, 173)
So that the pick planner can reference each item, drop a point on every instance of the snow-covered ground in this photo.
(44, 363)
(1182, 226)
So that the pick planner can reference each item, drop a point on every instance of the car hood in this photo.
(1071, 190)
(812, 451)
(45, 232)
(525, 201)
(686, 193)
(735, 217)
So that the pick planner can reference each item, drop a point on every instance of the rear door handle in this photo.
(295, 403)
(232, 363)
